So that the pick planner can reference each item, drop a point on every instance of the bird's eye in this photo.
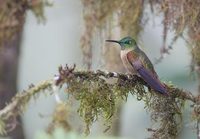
(128, 42)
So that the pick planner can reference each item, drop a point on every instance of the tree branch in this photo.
(70, 73)
(18, 104)
(97, 96)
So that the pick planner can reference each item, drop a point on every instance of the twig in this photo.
(16, 103)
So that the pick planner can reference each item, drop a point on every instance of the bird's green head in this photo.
(125, 43)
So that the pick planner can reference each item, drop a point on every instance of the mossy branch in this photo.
(18, 104)
(69, 74)
(98, 97)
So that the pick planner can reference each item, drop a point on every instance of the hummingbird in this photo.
(137, 62)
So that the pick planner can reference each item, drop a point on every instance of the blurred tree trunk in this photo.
(9, 57)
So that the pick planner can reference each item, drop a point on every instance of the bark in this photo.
(9, 56)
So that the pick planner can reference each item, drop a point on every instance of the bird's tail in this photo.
(152, 81)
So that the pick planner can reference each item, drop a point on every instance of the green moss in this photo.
(98, 98)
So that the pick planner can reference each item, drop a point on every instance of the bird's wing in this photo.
(147, 63)
(146, 74)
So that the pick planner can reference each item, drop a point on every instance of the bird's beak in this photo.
(113, 41)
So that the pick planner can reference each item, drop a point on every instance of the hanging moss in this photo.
(100, 18)
(12, 16)
(98, 97)
(179, 16)
(130, 17)
(60, 118)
